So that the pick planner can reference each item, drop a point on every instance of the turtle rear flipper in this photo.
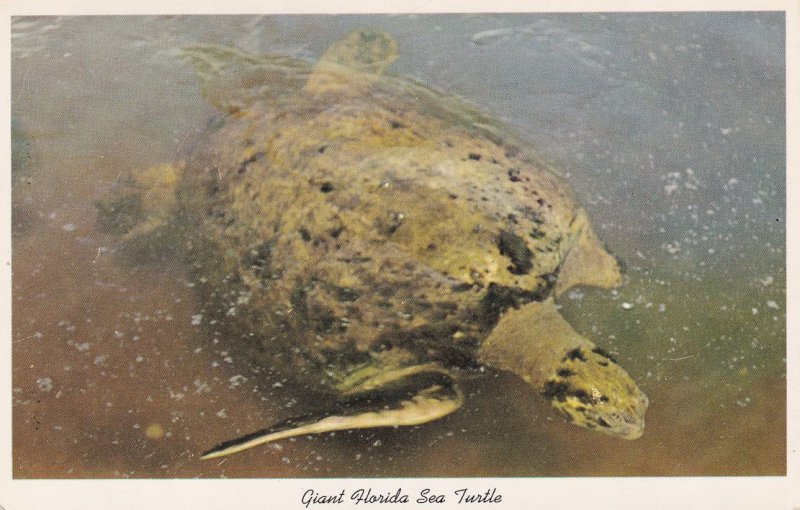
(419, 397)
(232, 79)
(141, 207)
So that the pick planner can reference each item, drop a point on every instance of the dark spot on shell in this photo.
(500, 298)
(536, 234)
(437, 315)
(213, 187)
(461, 287)
(323, 320)
(321, 150)
(512, 151)
(252, 159)
(305, 234)
(389, 227)
(565, 372)
(513, 175)
(354, 260)
(575, 354)
(603, 353)
(514, 247)
(259, 259)
(336, 232)
(326, 187)
(386, 290)
(532, 215)
(447, 306)
(395, 124)
(298, 299)
(474, 156)
(343, 293)
(452, 196)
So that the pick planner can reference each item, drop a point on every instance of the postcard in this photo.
(283, 256)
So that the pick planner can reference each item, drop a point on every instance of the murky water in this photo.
(670, 127)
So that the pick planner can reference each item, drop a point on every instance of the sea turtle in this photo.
(379, 240)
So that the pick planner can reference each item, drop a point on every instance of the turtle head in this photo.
(596, 393)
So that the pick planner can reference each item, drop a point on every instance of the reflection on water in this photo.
(669, 127)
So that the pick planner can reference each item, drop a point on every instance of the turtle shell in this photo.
(335, 224)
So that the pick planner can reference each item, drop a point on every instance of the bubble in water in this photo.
(45, 384)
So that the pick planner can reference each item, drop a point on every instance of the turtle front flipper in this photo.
(408, 396)
(353, 63)
(587, 263)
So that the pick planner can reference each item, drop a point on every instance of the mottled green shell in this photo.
(366, 223)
